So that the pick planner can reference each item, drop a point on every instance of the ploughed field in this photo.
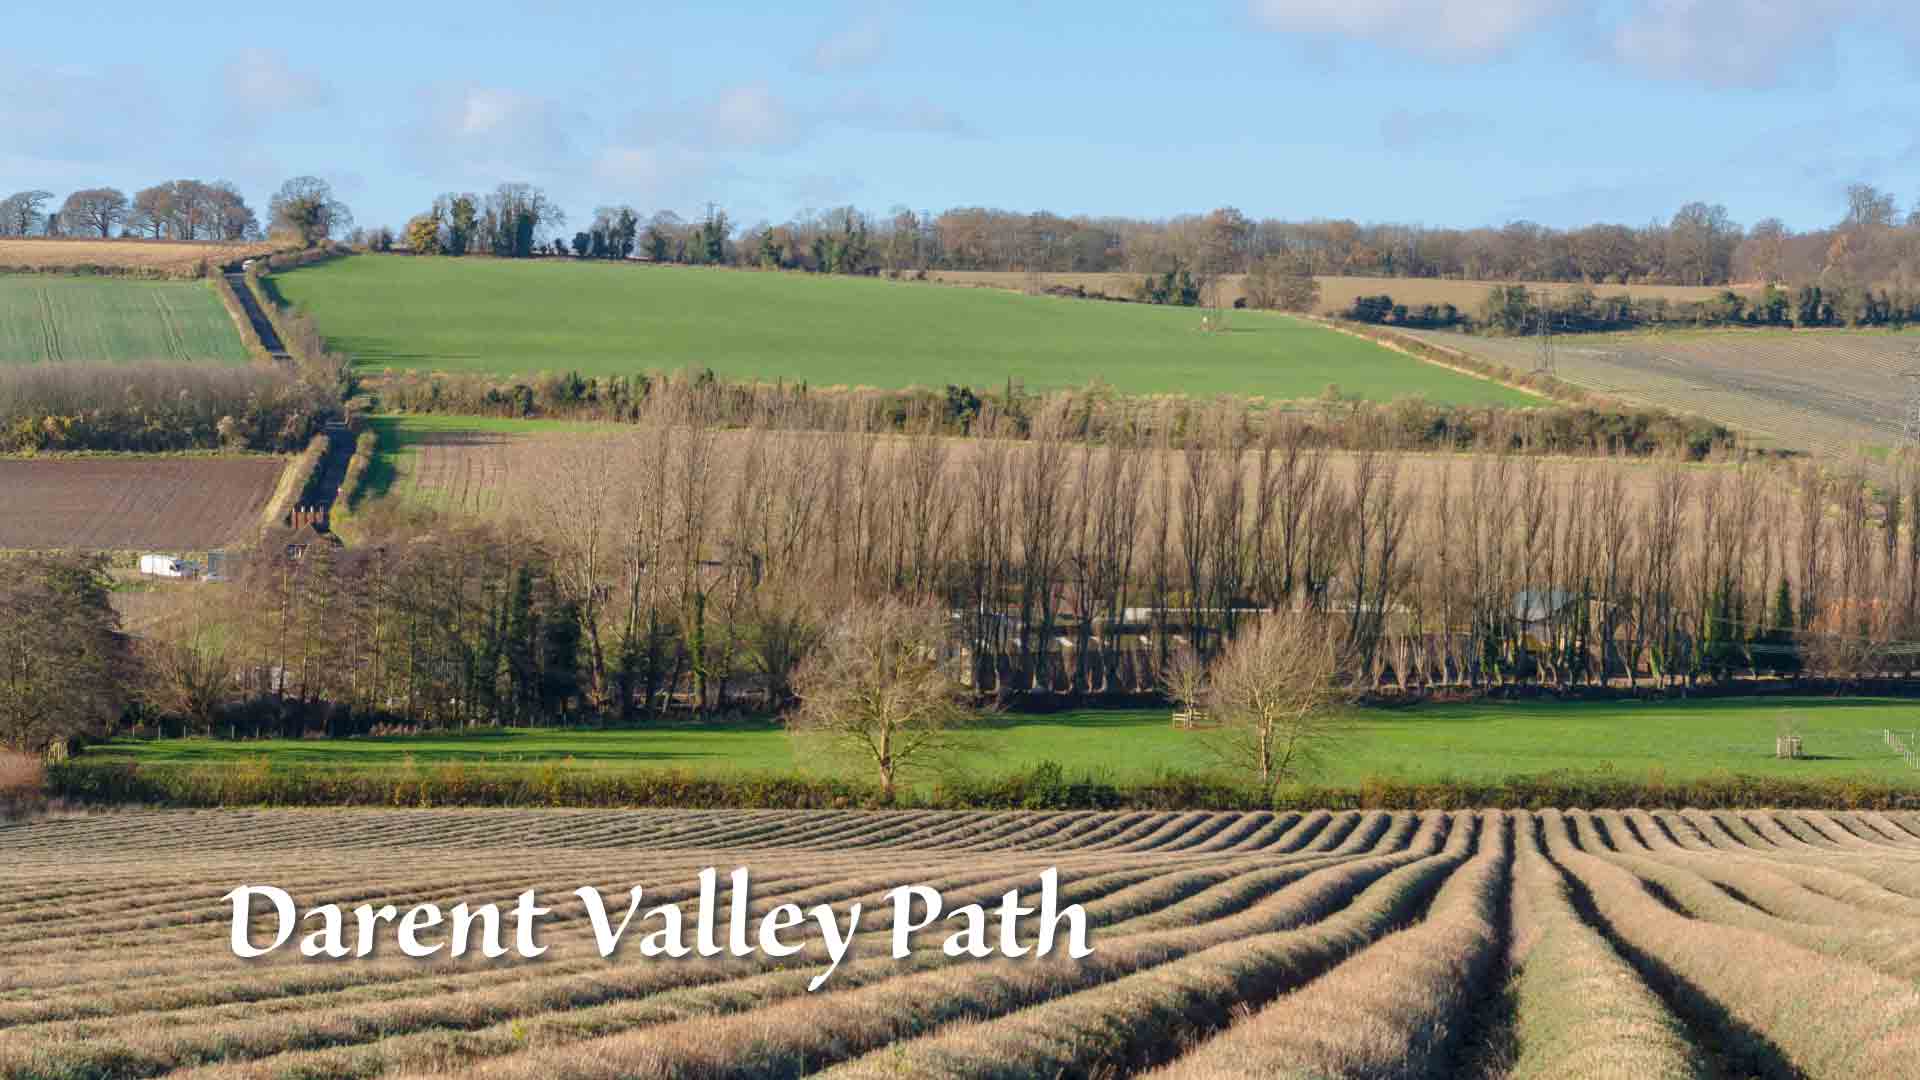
(1513, 944)
(124, 502)
(504, 317)
(173, 258)
(1830, 391)
(1337, 291)
(48, 319)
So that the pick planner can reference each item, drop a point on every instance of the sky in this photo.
(1437, 112)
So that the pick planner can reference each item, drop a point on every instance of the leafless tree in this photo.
(95, 210)
(1279, 691)
(880, 688)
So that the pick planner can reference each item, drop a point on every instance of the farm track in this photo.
(1642, 945)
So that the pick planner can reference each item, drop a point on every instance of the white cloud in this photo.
(855, 45)
(79, 114)
(1731, 43)
(1719, 43)
(482, 129)
(260, 83)
(749, 117)
(1452, 29)
(752, 117)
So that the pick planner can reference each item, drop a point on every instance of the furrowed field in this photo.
(1337, 291)
(491, 467)
(498, 317)
(103, 320)
(124, 502)
(1511, 944)
(1830, 391)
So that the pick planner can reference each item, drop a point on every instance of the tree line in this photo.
(1699, 244)
(303, 210)
(685, 567)
(1520, 310)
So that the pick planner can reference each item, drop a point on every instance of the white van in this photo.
(163, 566)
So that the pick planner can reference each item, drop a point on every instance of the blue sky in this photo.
(1443, 112)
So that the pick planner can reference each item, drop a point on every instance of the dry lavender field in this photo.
(1495, 944)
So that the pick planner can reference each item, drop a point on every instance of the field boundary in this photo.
(1550, 388)
(257, 783)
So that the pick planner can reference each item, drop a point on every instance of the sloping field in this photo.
(486, 466)
(1831, 391)
(47, 319)
(505, 317)
(1337, 292)
(1629, 944)
(121, 503)
(160, 257)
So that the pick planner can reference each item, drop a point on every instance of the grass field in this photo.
(502, 317)
(1617, 945)
(106, 320)
(1476, 742)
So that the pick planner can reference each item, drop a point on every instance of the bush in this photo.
(22, 784)
(151, 408)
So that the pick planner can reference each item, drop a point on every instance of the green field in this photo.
(1477, 742)
(106, 320)
(503, 317)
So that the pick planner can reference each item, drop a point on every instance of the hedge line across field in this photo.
(1045, 787)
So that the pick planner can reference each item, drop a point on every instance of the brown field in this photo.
(1830, 391)
(124, 503)
(1573, 945)
(489, 473)
(163, 257)
(1337, 293)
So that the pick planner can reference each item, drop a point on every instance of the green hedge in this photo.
(1046, 787)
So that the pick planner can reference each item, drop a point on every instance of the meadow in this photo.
(1614, 944)
(1476, 742)
(504, 317)
(110, 320)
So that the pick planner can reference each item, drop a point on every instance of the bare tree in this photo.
(21, 212)
(190, 664)
(1278, 693)
(879, 687)
(95, 210)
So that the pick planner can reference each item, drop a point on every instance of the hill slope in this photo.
(497, 317)
(105, 320)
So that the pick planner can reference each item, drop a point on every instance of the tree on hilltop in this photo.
(304, 208)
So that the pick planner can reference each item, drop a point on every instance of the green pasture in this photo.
(1472, 742)
(502, 317)
(48, 318)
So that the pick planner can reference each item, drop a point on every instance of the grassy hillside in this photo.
(495, 317)
(1476, 742)
(104, 320)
